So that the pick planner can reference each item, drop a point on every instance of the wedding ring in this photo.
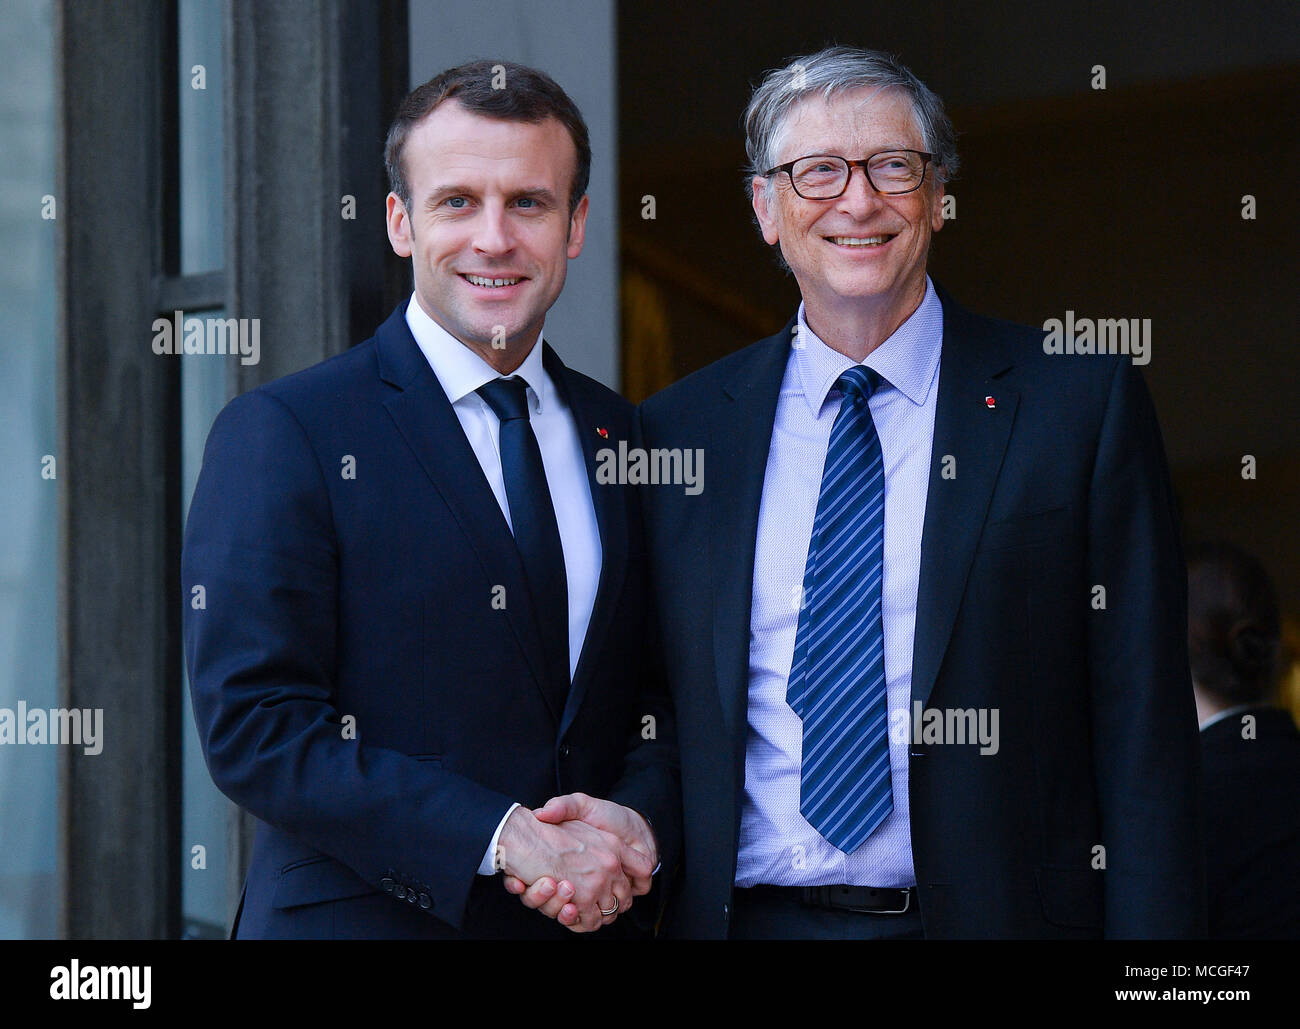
(611, 911)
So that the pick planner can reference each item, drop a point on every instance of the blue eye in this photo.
(457, 202)
(527, 202)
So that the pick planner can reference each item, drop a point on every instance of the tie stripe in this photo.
(837, 676)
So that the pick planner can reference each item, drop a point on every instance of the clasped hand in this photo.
(577, 859)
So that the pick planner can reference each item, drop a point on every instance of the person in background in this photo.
(1250, 747)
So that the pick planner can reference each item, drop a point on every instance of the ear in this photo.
(399, 226)
(578, 228)
(936, 205)
(767, 220)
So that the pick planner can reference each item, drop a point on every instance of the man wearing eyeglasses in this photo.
(926, 622)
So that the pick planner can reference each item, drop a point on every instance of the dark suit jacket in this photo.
(1061, 486)
(1252, 817)
(371, 598)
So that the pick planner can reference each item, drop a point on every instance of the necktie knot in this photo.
(508, 398)
(859, 382)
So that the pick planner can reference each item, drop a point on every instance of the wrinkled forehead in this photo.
(852, 123)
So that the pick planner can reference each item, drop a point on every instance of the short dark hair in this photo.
(1233, 624)
(528, 95)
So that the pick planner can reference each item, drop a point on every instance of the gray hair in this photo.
(835, 70)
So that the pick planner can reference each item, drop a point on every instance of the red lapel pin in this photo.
(603, 433)
(990, 403)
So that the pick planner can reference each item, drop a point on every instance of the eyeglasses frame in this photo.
(788, 168)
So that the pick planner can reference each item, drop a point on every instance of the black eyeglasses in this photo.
(825, 176)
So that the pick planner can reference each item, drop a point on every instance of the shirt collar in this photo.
(1225, 714)
(460, 370)
(907, 360)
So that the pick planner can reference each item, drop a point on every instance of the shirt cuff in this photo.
(488, 866)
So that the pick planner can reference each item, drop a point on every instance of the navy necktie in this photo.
(537, 533)
(837, 675)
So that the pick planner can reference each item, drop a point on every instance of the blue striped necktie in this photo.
(837, 675)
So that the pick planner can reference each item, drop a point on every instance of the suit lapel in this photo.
(975, 436)
(425, 418)
(611, 517)
(740, 437)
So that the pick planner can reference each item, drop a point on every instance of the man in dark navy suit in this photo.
(423, 615)
(925, 624)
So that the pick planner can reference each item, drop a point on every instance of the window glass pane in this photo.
(205, 812)
(29, 498)
(201, 137)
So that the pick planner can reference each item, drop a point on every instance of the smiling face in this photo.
(861, 254)
(489, 230)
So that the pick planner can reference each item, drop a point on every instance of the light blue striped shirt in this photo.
(777, 845)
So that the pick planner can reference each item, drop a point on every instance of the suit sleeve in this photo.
(261, 552)
(1146, 750)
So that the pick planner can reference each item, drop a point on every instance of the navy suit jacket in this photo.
(358, 684)
(1059, 487)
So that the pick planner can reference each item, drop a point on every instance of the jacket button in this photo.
(726, 912)
(426, 901)
(399, 892)
(411, 897)
(387, 884)
(564, 750)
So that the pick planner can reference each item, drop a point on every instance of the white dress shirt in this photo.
(461, 372)
(777, 845)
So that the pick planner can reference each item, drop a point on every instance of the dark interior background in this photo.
(1122, 203)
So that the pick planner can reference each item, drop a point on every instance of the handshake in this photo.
(577, 859)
